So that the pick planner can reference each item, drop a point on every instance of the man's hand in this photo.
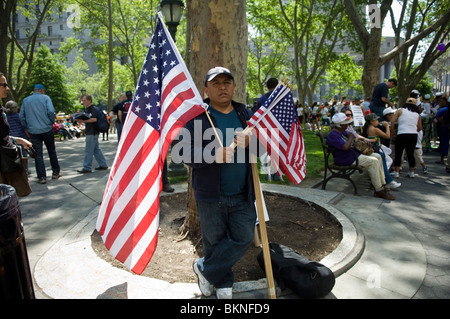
(242, 139)
(224, 155)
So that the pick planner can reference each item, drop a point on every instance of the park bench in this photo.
(336, 171)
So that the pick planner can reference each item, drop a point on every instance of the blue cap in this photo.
(39, 87)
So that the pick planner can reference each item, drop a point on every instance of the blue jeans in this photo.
(93, 149)
(227, 232)
(387, 175)
(49, 141)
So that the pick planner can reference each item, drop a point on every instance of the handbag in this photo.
(364, 147)
(10, 159)
(309, 279)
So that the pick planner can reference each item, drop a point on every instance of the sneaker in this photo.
(224, 293)
(205, 287)
(56, 175)
(410, 174)
(425, 170)
(395, 174)
(393, 185)
(101, 168)
(384, 194)
(42, 180)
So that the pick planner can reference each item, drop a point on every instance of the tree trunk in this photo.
(5, 14)
(218, 37)
(111, 57)
(371, 65)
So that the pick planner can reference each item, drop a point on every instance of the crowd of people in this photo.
(396, 133)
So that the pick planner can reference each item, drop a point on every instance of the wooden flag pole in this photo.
(262, 228)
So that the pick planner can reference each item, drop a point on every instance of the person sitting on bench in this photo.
(344, 154)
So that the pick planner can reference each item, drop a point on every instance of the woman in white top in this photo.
(409, 123)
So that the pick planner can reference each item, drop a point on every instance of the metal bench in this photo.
(336, 171)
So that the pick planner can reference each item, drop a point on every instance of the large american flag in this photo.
(277, 127)
(165, 100)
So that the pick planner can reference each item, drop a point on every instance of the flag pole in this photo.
(263, 230)
(213, 127)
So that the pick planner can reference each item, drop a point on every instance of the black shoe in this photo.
(101, 168)
(82, 171)
(167, 188)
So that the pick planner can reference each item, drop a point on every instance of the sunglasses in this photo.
(348, 114)
(5, 85)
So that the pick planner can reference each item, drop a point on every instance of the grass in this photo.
(314, 160)
(314, 154)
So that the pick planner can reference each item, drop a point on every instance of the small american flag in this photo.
(277, 127)
(165, 100)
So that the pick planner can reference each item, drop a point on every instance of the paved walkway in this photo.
(391, 249)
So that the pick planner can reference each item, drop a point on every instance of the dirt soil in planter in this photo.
(305, 227)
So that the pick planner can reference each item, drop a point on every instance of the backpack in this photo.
(309, 279)
(102, 124)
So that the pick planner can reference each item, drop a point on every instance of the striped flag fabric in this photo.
(277, 126)
(165, 99)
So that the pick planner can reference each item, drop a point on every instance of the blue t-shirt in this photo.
(232, 175)
(341, 157)
(376, 103)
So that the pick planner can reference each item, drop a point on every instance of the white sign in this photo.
(358, 115)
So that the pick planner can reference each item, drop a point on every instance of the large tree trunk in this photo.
(218, 37)
(371, 64)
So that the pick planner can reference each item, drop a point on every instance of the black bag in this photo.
(309, 279)
(10, 159)
(102, 124)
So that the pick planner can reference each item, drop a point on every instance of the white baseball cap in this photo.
(341, 118)
(388, 110)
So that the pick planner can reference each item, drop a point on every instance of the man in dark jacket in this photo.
(222, 183)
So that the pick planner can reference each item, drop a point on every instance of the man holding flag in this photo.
(165, 100)
(223, 188)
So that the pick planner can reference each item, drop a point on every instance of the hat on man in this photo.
(388, 110)
(341, 118)
(217, 71)
(39, 87)
(411, 100)
(371, 117)
(427, 96)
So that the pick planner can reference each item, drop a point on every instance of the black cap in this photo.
(217, 71)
